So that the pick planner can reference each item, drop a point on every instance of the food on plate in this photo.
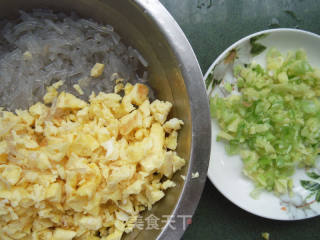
(82, 150)
(75, 169)
(274, 123)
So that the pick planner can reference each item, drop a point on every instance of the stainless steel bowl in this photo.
(174, 75)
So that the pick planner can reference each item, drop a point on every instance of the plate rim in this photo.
(215, 62)
(274, 30)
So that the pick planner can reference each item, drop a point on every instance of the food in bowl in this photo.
(72, 169)
(271, 118)
(43, 47)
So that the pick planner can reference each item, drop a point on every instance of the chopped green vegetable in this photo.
(275, 123)
(228, 87)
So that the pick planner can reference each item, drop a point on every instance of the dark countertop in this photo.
(211, 26)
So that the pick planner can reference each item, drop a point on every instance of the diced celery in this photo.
(301, 55)
(228, 87)
(298, 68)
(274, 59)
(281, 186)
(224, 136)
(275, 123)
(283, 77)
(233, 126)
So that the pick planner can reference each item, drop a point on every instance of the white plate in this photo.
(225, 172)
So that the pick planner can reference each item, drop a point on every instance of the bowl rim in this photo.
(200, 114)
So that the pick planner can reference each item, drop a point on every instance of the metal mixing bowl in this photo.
(174, 74)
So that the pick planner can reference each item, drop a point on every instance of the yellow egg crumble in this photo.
(72, 169)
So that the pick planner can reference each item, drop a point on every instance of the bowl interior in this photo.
(137, 29)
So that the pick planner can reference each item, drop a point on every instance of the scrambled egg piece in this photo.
(75, 169)
(78, 89)
(52, 92)
(97, 70)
